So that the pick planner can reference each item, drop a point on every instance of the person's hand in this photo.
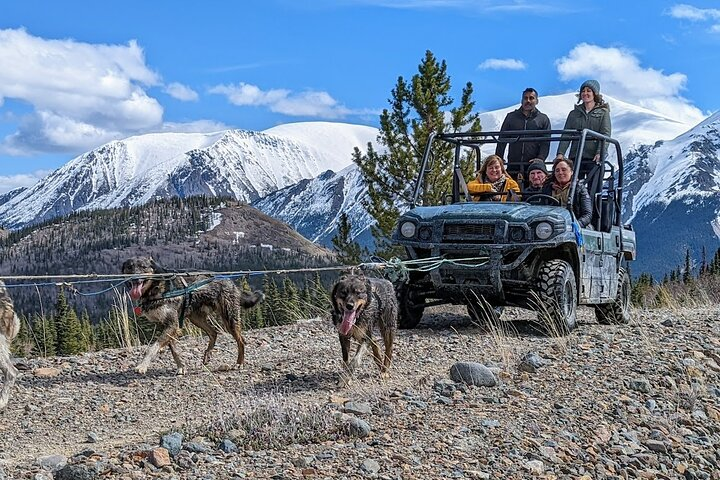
(596, 158)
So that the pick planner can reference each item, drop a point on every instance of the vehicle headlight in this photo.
(543, 230)
(407, 229)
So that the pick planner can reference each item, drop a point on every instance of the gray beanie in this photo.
(537, 165)
(593, 84)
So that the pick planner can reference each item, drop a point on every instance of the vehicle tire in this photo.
(410, 311)
(617, 312)
(557, 290)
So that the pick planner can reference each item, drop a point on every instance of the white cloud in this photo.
(82, 94)
(181, 92)
(309, 103)
(688, 12)
(502, 64)
(621, 75)
(694, 14)
(11, 182)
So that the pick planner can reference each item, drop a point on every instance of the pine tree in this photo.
(290, 302)
(270, 309)
(417, 109)
(349, 252)
(687, 272)
(68, 336)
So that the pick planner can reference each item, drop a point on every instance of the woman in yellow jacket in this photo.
(492, 177)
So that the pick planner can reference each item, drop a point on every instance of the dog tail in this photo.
(248, 300)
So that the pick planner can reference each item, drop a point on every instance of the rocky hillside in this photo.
(197, 233)
(635, 401)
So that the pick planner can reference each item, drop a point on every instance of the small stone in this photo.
(160, 457)
(172, 442)
(51, 462)
(370, 466)
(358, 428)
(535, 466)
(357, 408)
(92, 437)
(75, 472)
(640, 385)
(473, 373)
(227, 446)
(530, 362)
(46, 372)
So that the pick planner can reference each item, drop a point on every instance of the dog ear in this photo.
(335, 310)
(156, 268)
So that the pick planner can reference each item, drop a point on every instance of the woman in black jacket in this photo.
(558, 187)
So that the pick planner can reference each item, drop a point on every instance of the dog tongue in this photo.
(136, 290)
(347, 322)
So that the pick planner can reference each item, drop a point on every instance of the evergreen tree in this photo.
(417, 108)
(687, 272)
(349, 252)
(290, 301)
(67, 325)
(270, 311)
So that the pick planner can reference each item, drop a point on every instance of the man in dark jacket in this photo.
(537, 175)
(527, 117)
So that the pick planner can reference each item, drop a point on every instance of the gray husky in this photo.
(213, 306)
(9, 327)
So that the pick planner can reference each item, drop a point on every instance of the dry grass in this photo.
(263, 421)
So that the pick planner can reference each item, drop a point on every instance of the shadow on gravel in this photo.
(521, 324)
(289, 382)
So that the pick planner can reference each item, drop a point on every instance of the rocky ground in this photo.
(634, 401)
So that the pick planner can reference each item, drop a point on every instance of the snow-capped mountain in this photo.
(313, 207)
(243, 164)
(673, 197)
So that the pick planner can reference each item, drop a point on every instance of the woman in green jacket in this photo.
(593, 113)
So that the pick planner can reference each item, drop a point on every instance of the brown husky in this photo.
(211, 306)
(360, 305)
(9, 327)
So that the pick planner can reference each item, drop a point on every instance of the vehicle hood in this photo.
(510, 212)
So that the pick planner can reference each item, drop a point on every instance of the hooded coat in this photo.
(597, 120)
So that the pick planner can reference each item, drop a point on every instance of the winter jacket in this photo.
(520, 153)
(475, 187)
(582, 204)
(597, 120)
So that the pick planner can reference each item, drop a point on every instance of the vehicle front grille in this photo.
(472, 230)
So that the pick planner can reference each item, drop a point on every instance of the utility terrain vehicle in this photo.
(529, 253)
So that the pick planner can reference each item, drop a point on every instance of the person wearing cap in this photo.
(527, 117)
(593, 113)
(492, 177)
(537, 175)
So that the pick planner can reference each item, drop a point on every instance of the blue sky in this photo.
(76, 74)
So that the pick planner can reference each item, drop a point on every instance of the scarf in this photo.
(499, 184)
(561, 192)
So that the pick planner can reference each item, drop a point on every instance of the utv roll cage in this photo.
(606, 199)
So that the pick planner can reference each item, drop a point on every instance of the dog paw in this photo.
(181, 371)
(141, 369)
(385, 375)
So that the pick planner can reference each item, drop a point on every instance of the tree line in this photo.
(64, 332)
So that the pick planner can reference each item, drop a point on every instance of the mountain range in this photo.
(302, 174)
